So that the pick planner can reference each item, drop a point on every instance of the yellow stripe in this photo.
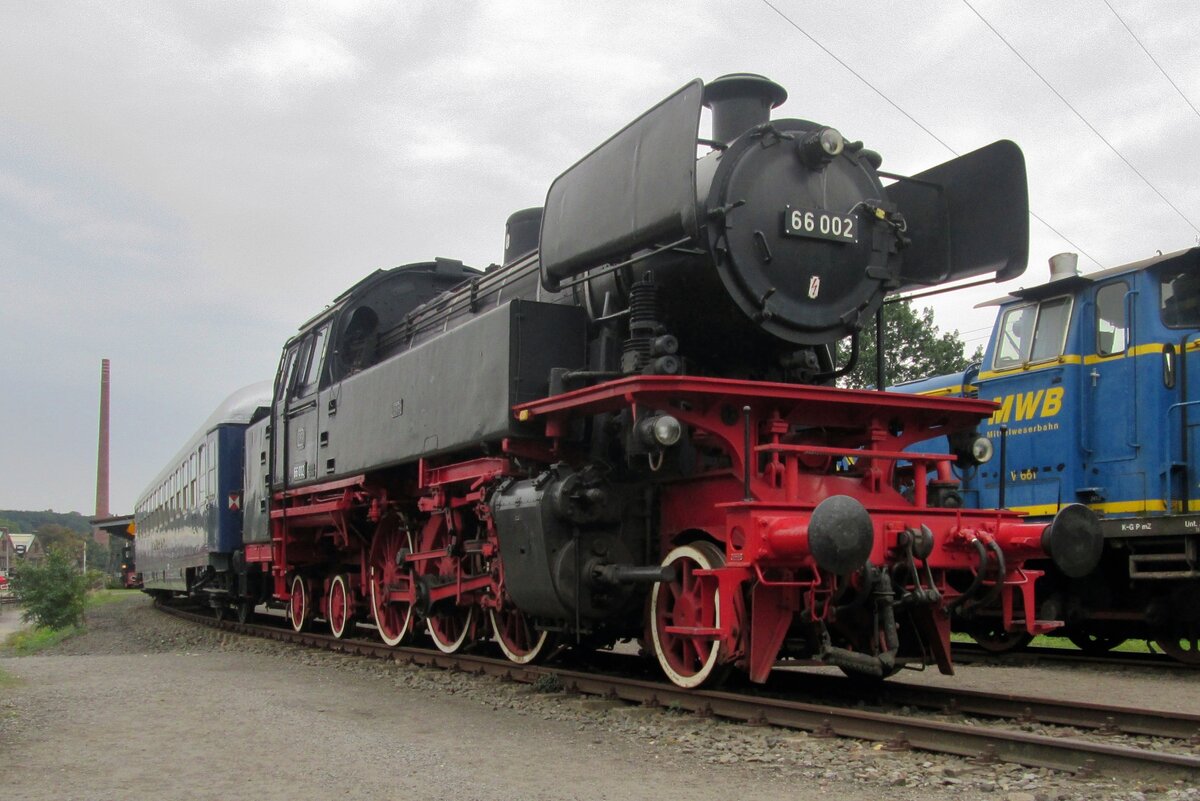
(1111, 507)
(937, 393)
(1151, 349)
(1042, 510)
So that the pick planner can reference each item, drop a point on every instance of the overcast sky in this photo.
(183, 184)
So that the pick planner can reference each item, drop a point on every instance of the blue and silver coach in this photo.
(189, 520)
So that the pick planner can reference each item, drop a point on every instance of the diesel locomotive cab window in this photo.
(1180, 304)
(1050, 332)
(1032, 333)
(1112, 335)
(1014, 337)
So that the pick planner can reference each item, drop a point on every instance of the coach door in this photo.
(1110, 380)
(297, 454)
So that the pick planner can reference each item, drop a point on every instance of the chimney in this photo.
(102, 455)
(740, 102)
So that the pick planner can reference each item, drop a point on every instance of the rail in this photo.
(986, 743)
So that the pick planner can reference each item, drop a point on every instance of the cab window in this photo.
(1015, 331)
(289, 371)
(1180, 299)
(306, 380)
(1050, 332)
(1033, 333)
(1112, 332)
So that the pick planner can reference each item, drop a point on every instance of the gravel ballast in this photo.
(146, 704)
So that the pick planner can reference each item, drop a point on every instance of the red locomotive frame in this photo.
(745, 573)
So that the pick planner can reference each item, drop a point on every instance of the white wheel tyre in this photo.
(450, 647)
(339, 610)
(390, 640)
(298, 604)
(672, 650)
(514, 655)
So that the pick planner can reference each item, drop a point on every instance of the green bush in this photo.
(52, 592)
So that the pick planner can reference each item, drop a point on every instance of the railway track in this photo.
(968, 653)
(898, 731)
(1103, 719)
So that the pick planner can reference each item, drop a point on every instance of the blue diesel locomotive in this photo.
(1097, 379)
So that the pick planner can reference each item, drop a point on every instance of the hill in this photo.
(15, 520)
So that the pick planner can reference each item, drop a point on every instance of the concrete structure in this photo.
(117, 533)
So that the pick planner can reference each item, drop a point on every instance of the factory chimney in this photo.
(102, 455)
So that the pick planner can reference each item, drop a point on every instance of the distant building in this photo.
(117, 533)
(15, 547)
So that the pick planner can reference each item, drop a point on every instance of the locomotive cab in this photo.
(365, 325)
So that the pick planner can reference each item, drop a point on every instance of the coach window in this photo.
(203, 475)
(212, 465)
(193, 481)
(1112, 333)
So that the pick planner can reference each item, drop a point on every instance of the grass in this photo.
(31, 641)
(1127, 647)
(1043, 641)
(103, 597)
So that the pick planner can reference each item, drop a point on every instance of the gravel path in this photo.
(144, 704)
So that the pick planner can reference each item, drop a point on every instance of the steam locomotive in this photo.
(1091, 374)
(627, 430)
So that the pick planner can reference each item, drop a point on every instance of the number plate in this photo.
(819, 224)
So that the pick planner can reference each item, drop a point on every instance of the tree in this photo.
(32, 521)
(53, 535)
(914, 349)
(52, 592)
(98, 557)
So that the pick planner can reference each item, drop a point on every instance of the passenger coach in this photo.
(189, 520)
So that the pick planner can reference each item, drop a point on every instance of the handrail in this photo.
(862, 453)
